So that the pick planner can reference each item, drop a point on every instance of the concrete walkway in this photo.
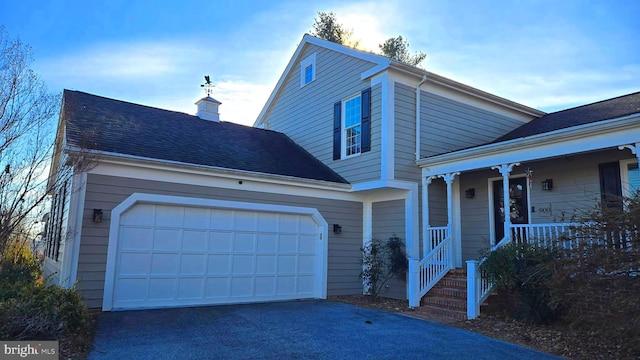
(289, 330)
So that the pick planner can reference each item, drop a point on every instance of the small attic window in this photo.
(308, 70)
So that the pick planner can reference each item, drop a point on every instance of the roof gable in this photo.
(379, 62)
(113, 126)
(599, 111)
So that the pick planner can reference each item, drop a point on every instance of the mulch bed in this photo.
(558, 339)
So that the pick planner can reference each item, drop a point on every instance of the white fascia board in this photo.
(212, 178)
(583, 138)
(379, 60)
(109, 157)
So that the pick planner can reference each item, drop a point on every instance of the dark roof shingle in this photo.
(108, 125)
(585, 114)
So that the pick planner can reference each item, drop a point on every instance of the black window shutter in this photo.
(337, 129)
(366, 121)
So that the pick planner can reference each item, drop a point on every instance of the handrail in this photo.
(431, 269)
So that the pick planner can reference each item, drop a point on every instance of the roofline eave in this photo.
(218, 171)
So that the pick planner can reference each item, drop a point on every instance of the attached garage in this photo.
(167, 251)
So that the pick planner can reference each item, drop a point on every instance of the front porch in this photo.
(544, 197)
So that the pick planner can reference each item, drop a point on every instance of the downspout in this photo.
(424, 78)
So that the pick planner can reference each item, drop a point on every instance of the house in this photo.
(162, 209)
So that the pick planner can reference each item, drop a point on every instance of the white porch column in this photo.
(448, 179)
(426, 236)
(505, 170)
(367, 233)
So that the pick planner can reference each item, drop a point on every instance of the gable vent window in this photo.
(352, 125)
(308, 70)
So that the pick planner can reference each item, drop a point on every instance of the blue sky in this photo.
(549, 55)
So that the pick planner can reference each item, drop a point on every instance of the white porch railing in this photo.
(425, 273)
(435, 235)
(545, 235)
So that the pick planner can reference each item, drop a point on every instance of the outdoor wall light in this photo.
(547, 184)
(337, 229)
(97, 215)
(470, 193)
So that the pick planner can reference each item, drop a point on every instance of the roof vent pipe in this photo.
(424, 78)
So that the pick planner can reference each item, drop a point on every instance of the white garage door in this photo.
(170, 255)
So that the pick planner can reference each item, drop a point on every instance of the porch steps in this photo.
(449, 297)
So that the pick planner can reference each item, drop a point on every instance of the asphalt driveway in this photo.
(289, 330)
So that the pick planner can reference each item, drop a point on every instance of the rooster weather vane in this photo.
(208, 86)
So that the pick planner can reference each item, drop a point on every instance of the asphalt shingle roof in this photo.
(585, 114)
(108, 125)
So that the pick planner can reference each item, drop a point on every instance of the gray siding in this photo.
(576, 189)
(105, 192)
(389, 220)
(306, 114)
(405, 133)
(449, 125)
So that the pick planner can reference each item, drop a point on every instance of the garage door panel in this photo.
(265, 286)
(242, 286)
(171, 255)
(197, 218)
(165, 264)
(287, 264)
(307, 243)
(134, 264)
(242, 264)
(136, 238)
(266, 264)
(163, 288)
(132, 289)
(190, 288)
(244, 242)
(192, 264)
(288, 223)
(220, 241)
(219, 265)
(169, 216)
(217, 287)
(245, 220)
(268, 222)
(286, 285)
(167, 239)
(194, 241)
(140, 215)
(288, 244)
(306, 264)
(267, 243)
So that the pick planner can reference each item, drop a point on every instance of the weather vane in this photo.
(208, 86)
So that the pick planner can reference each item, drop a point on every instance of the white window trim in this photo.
(343, 127)
(309, 60)
(624, 176)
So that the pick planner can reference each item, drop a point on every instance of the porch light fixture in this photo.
(470, 193)
(547, 184)
(337, 229)
(97, 215)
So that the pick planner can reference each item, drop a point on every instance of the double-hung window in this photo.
(352, 125)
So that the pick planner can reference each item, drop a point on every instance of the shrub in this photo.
(525, 269)
(382, 261)
(18, 264)
(40, 311)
